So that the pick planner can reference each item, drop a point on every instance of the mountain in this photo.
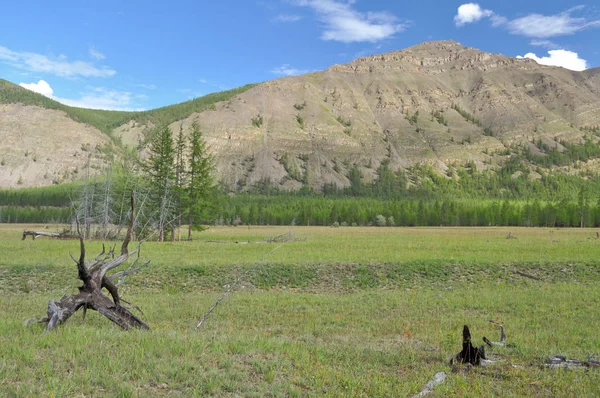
(437, 103)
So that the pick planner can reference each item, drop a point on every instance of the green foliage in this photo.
(572, 152)
(290, 167)
(344, 122)
(257, 121)
(161, 179)
(300, 121)
(300, 107)
(414, 118)
(201, 186)
(441, 119)
(106, 121)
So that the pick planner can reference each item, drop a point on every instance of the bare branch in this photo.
(130, 229)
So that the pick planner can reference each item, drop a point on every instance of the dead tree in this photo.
(94, 277)
(469, 354)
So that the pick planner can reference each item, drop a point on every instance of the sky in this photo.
(138, 55)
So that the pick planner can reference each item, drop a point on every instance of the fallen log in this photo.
(559, 361)
(37, 234)
(94, 276)
(437, 379)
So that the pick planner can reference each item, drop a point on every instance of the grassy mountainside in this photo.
(107, 121)
(46, 142)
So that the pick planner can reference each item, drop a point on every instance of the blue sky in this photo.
(133, 54)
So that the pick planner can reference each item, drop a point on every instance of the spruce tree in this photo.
(161, 177)
(200, 178)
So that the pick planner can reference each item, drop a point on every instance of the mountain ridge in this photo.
(437, 103)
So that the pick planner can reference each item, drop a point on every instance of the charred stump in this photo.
(469, 354)
(94, 276)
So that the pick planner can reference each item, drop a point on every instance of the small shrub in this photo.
(380, 220)
(257, 121)
(300, 121)
(344, 122)
(301, 106)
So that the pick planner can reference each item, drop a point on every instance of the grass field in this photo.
(336, 312)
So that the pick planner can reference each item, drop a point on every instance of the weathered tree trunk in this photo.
(37, 234)
(94, 277)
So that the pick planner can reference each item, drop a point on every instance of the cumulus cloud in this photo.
(288, 70)
(96, 54)
(470, 12)
(59, 66)
(344, 24)
(92, 98)
(41, 87)
(287, 18)
(566, 59)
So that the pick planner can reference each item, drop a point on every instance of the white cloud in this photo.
(544, 43)
(536, 26)
(345, 24)
(96, 54)
(288, 70)
(147, 86)
(544, 26)
(59, 66)
(101, 98)
(471, 12)
(92, 98)
(566, 59)
(287, 18)
(41, 87)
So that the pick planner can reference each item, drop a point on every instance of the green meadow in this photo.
(347, 311)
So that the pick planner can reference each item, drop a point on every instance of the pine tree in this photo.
(180, 147)
(159, 169)
(200, 178)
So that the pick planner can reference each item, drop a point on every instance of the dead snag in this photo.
(94, 277)
(502, 336)
(469, 354)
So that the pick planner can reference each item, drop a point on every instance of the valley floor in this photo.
(323, 312)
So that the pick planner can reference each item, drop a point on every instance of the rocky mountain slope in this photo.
(438, 103)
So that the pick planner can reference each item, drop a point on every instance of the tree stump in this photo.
(469, 354)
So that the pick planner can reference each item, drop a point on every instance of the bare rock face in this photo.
(43, 147)
(360, 114)
(437, 103)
